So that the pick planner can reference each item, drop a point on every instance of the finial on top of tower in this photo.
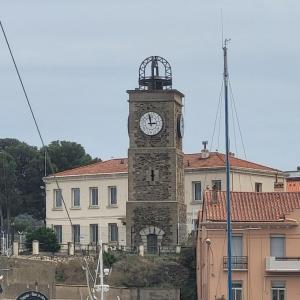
(150, 78)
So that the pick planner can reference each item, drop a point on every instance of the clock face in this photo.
(180, 126)
(151, 123)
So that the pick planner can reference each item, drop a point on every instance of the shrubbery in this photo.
(46, 237)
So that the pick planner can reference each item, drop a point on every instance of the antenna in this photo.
(222, 27)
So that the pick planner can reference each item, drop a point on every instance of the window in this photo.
(196, 190)
(217, 184)
(278, 290)
(57, 199)
(112, 232)
(58, 233)
(237, 245)
(258, 187)
(94, 196)
(76, 234)
(237, 290)
(75, 197)
(112, 190)
(238, 261)
(94, 233)
(277, 245)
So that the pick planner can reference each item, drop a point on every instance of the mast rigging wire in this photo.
(239, 128)
(34, 119)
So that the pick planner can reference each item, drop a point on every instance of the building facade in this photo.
(265, 246)
(95, 195)
(293, 180)
(155, 211)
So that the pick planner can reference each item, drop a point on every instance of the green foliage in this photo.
(158, 272)
(135, 271)
(26, 223)
(8, 181)
(109, 259)
(46, 237)
(187, 258)
(60, 274)
(65, 155)
(71, 272)
(23, 167)
(29, 173)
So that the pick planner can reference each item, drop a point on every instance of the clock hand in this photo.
(150, 121)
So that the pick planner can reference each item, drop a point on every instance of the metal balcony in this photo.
(283, 264)
(238, 263)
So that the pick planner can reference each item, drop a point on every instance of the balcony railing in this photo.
(237, 262)
(283, 264)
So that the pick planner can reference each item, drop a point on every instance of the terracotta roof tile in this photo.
(191, 161)
(104, 167)
(217, 159)
(250, 206)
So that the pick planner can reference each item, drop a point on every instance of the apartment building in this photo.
(95, 195)
(293, 180)
(265, 246)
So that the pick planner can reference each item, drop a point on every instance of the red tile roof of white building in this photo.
(191, 161)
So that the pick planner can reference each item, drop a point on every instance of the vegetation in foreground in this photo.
(131, 271)
(46, 237)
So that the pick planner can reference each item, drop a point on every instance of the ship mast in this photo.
(228, 205)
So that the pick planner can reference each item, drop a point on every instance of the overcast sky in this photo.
(78, 58)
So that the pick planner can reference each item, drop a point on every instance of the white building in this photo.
(95, 195)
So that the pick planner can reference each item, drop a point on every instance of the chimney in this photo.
(214, 195)
(278, 186)
(204, 151)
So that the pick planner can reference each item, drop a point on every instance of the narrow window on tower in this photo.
(152, 175)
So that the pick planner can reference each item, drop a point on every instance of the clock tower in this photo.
(155, 211)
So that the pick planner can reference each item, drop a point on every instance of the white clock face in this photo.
(151, 123)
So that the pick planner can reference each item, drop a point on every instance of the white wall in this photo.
(86, 215)
(105, 214)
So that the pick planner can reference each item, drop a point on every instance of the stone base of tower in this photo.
(155, 224)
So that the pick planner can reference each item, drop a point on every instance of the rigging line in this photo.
(33, 116)
(214, 129)
(219, 133)
(240, 131)
(233, 127)
(217, 114)
(237, 119)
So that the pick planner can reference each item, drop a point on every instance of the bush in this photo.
(187, 258)
(46, 237)
(108, 259)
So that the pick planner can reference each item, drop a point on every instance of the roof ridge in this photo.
(89, 165)
(194, 161)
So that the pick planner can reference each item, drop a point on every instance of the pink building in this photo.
(265, 246)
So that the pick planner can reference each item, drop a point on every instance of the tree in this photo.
(26, 223)
(46, 238)
(66, 155)
(29, 173)
(8, 193)
(29, 166)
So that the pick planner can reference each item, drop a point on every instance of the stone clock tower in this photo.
(155, 211)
